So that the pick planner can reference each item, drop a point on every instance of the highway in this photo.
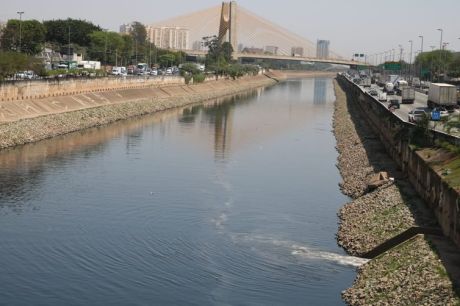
(420, 102)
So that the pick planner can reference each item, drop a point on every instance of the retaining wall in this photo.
(39, 89)
(395, 135)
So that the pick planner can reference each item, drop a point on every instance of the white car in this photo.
(416, 115)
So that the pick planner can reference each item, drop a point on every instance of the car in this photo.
(373, 92)
(417, 115)
(394, 103)
(444, 113)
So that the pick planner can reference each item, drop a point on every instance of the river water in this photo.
(233, 202)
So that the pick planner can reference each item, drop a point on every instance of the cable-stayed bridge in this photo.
(251, 36)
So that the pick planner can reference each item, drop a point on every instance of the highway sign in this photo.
(393, 66)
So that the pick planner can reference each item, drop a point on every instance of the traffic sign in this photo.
(393, 66)
(435, 115)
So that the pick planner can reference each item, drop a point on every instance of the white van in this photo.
(119, 71)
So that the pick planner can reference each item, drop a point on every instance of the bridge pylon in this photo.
(227, 28)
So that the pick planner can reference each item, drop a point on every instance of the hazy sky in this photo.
(363, 26)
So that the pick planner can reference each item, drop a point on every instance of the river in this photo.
(233, 202)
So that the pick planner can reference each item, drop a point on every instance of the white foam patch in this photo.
(343, 260)
(301, 251)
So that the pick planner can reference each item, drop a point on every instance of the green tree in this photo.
(438, 61)
(12, 62)
(57, 31)
(167, 59)
(106, 47)
(32, 36)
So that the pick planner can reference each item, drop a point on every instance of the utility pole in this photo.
(421, 52)
(410, 60)
(68, 52)
(20, 30)
(105, 48)
(440, 54)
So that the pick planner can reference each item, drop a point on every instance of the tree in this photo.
(167, 59)
(219, 55)
(106, 47)
(12, 62)
(437, 61)
(57, 31)
(139, 33)
(32, 34)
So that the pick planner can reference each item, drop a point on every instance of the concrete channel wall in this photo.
(395, 135)
(39, 89)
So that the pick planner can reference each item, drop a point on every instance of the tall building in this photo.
(176, 38)
(297, 51)
(272, 50)
(198, 46)
(322, 49)
(126, 28)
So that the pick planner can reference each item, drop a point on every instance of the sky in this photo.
(353, 26)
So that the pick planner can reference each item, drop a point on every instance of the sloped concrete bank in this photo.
(410, 274)
(34, 120)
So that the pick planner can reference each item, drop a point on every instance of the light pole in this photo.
(410, 60)
(421, 52)
(440, 54)
(20, 30)
(105, 48)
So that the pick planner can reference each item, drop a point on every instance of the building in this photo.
(297, 51)
(126, 28)
(271, 50)
(322, 49)
(198, 46)
(176, 38)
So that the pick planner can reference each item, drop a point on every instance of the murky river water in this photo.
(230, 203)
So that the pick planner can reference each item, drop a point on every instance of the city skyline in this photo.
(385, 26)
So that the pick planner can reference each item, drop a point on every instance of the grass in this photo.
(453, 178)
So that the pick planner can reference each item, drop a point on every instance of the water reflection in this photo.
(320, 91)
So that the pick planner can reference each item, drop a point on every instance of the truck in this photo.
(392, 78)
(389, 88)
(366, 81)
(416, 82)
(441, 94)
(383, 97)
(407, 95)
(399, 85)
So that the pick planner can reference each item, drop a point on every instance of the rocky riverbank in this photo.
(409, 274)
(110, 106)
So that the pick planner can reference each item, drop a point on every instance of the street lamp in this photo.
(20, 30)
(421, 52)
(440, 53)
(410, 60)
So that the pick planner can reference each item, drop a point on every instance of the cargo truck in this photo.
(366, 82)
(389, 88)
(441, 94)
(407, 95)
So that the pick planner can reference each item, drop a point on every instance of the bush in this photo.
(199, 78)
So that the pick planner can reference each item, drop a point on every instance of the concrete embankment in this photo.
(411, 273)
(31, 120)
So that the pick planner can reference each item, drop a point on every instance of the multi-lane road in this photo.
(420, 102)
